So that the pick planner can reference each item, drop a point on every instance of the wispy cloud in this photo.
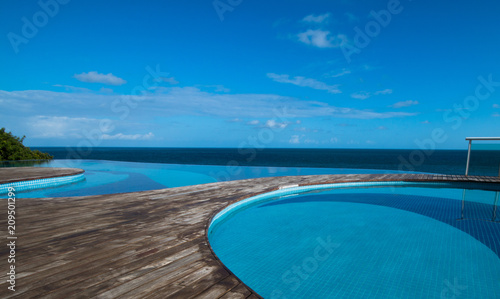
(304, 82)
(43, 126)
(321, 38)
(336, 74)
(235, 120)
(105, 90)
(170, 80)
(173, 101)
(253, 122)
(121, 136)
(385, 91)
(404, 104)
(496, 106)
(363, 95)
(217, 88)
(319, 19)
(294, 139)
(273, 124)
(73, 88)
(95, 77)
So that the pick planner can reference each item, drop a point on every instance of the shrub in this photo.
(12, 148)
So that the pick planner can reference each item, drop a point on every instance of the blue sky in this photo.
(241, 73)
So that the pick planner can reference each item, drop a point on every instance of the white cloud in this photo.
(425, 122)
(170, 80)
(310, 140)
(121, 136)
(95, 77)
(105, 90)
(363, 95)
(73, 88)
(274, 124)
(42, 126)
(317, 19)
(385, 91)
(321, 38)
(496, 115)
(496, 106)
(221, 88)
(294, 139)
(217, 88)
(304, 82)
(173, 101)
(382, 128)
(404, 104)
(360, 95)
(253, 122)
(343, 72)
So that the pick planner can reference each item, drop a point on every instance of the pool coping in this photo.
(299, 189)
(19, 174)
(32, 178)
(149, 244)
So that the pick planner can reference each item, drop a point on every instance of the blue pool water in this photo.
(372, 242)
(109, 177)
(482, 162)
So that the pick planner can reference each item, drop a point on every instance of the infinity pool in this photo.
(400, 241)
(108, 177)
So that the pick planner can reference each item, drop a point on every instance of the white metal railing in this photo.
(468, 152)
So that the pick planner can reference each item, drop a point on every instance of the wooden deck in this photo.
(16, 174)
(149, 244)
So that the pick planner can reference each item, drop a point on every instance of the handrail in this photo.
(482, 138)
(468, 152)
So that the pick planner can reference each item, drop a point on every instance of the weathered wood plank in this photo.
(220, 289)
(238, 292)
(17, 174)
(193, 283)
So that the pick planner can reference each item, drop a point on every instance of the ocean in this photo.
(483, 162)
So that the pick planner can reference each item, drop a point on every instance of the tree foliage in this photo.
(12, 148)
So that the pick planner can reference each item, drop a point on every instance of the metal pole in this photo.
(495, 207)
(468, 159)
(463, 204)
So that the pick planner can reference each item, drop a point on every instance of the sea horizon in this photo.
(452, 161)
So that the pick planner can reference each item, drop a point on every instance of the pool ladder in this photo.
(494, 212)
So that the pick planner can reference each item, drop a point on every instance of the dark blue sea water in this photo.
(483, 162)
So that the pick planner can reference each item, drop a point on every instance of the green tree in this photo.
(12, 148)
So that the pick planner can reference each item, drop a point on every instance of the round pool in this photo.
(404, 240)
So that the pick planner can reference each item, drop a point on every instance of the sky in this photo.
(249, 73)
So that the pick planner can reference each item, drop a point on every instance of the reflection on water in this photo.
(108, 177)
